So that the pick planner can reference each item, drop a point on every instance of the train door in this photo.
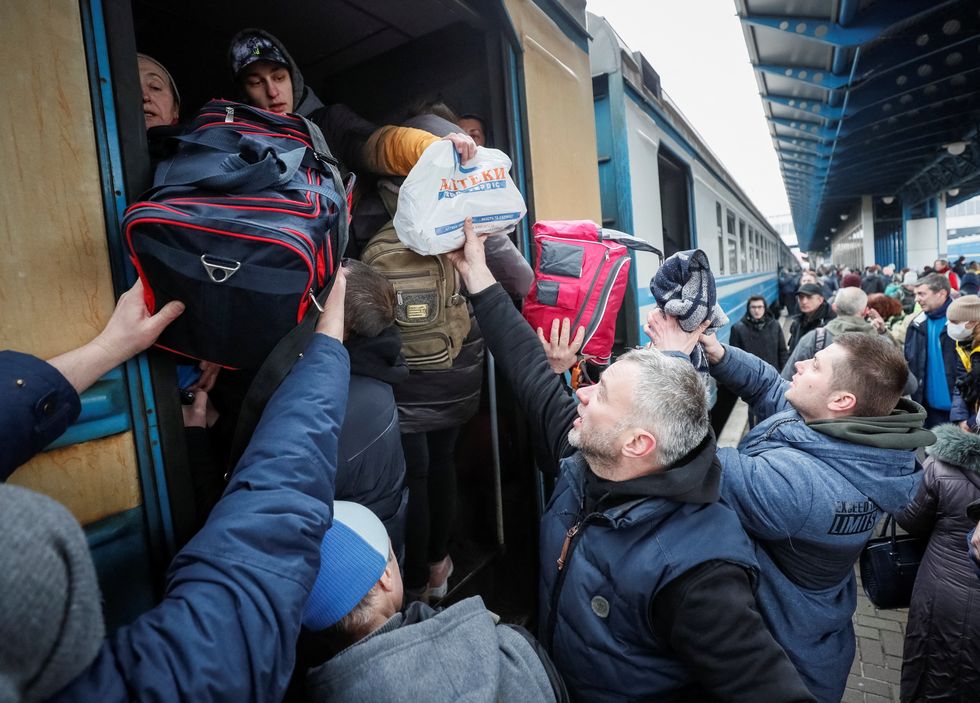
(510, 62)
(675, 202)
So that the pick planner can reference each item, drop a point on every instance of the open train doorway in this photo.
(386, 61)
(675, 205)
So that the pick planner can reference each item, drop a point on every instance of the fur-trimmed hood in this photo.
(956, 447)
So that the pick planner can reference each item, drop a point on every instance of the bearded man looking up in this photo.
(647, 579)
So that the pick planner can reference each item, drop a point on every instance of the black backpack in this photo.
(245, 224)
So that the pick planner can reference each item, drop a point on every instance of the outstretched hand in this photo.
(464, 144)
(471, 260)
(562, 353)
(665, 332)
(132, 328)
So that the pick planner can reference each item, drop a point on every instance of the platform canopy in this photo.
(867, 97)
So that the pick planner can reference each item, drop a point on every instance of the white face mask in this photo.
(958, 331)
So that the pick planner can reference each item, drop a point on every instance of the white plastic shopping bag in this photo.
(439, 193)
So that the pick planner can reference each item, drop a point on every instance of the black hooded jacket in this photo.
(763, 337)
(371, 465)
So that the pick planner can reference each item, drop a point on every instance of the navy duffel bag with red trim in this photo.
(245, 224)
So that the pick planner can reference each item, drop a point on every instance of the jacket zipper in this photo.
(567, 549)
(595, 279)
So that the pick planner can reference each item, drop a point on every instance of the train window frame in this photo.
(721, 239)
(731, 242)
(743, 252)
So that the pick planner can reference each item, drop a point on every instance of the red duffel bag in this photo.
(581, 272)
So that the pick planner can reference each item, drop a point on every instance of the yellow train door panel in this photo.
(55, 285)
(560, 117)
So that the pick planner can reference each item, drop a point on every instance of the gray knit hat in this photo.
(50, 611)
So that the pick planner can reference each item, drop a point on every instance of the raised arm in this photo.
(516, 350)
(235, 594)
(749, 377)
(39, 400)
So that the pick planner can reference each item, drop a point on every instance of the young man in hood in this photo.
(270, 79)
(647, 580)
(809, 482)
(758, 333)
(359, 646)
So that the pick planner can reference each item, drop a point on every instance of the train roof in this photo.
(867, 97)
(608, 53)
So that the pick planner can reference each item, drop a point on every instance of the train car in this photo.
(965, 242)
(660, 181)
(75, 151)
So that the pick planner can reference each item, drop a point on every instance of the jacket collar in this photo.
(941, 312)
(695, 478)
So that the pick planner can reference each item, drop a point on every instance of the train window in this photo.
(732, 251)
(721, 240)
(741, 243)
(753, 252)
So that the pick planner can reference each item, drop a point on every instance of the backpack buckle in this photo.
(220, 273)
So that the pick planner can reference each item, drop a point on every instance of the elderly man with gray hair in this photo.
(647, 579)
(853, 315)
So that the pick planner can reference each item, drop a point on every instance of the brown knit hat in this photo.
(851, 280)
(966, 308)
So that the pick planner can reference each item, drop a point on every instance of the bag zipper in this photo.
(603, 300)
(595, 279)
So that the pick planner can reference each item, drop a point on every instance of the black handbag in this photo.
(889, 565)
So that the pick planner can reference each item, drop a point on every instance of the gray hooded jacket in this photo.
(458, 654)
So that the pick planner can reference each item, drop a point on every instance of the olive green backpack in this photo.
(430, 311)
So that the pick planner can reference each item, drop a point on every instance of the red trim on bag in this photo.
(236, 126)
(249, 123)
(310, 199)
(159, 206)
(148, 297)
(197, 358)
(150, 220)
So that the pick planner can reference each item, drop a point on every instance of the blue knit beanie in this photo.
(353, 556)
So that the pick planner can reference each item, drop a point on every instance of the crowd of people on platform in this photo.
(670, 568)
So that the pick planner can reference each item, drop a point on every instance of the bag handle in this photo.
(321, 151)
(234, 174)
(629, 241)
(889, 526)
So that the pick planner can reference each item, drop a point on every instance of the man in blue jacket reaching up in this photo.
(809, 482)
(231, 613)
